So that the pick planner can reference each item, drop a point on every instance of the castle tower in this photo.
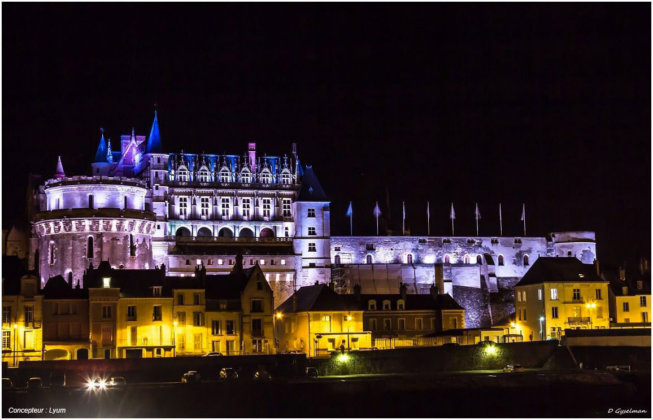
(312, 231)
(101, 165)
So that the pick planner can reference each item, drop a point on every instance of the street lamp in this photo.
(541, 329)
(15, 337)
(174, 339)
(590, 306)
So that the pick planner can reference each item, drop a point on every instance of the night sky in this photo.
(544, 104)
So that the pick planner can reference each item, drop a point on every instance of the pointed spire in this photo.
(101, 154)
(154, 140)
(109, 152)
(59, 172)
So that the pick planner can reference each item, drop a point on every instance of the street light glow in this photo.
(342, 358)
(279, 315)
(490, 350)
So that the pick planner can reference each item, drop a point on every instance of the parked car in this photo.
(212, 354)
(34, 384)
(228, 374)
(117, 381)
(312, 372)
(57, 379)
(513, 368)
(7, 384)
(262, 375)
(191, 377)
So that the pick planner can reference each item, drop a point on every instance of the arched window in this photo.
(500, 258)
(466, 259)
(266, 233)
(337, 259)
(479, 259)
(409, 258)
(245, 176)
(369, 259)
(203, 174)
(265, 177)
(89, 247)
(91, 201)
(225, 233)
(447, 259)
(183, 232)
(204, 232)
(526, 260)
(246, 233)
(224, 175)
(286, 178)
(182, 174)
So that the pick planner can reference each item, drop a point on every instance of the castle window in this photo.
(245, 176)
(447, 259)
(311, 213)
(124, 203)
(466, 259)
(286, 177)
(337, 259)
(90, 201)
(187, 262)
(311, 231)
(182, 174)
(370, 247)
(265, 177)
(283, 262)
(479, 259)
(401, 305)
(500, 258)
(106, 282)
(203, 174)
(525, 260)
(369, 259)
(246, 207)
(285, 207)
(204, 206)
(89, 247)
(132, 246)
(224, 175)
(386, 305)
(51, 253)
(312, 247)
(225, 205)
(267, 207)
(183, 206)
(554, 294)
(409, 258)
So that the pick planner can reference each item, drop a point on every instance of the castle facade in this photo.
(143, 208)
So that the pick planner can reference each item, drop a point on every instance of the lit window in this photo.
(106, 282)
(219, 262)
(245, 176)
(265, 177)
(554, 294)
(267, 207)
(262, 262)
(182, 174)
(224, 175)
(286, 207)
(288, 277)
(246, 207)
(226, 206)
(539, 294)
(286, 177)
(283, 262)
(203, 174)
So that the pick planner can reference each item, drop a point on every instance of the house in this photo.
(630, 298)
(559, 293)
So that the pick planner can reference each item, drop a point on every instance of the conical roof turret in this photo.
(154, 140)
(59, 173)
(101, 154)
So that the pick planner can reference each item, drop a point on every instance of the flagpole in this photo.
(351, 225)
(500, 222)
(377, 225)
(523, 212)
(452, 216)
(428, 220)
(403, 219)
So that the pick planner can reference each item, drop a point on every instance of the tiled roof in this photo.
(311, 189)
(58, 288)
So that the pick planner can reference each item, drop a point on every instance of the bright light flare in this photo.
(342, 358)
(490, 350)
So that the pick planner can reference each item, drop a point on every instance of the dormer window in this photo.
(371, 305)
(224, 175)
(106, 282)
(265, 177)
(182, 174)
(386, 305)
(286, 178)
(203, 174)
(401, 305)
(245, 176)
(156, 291)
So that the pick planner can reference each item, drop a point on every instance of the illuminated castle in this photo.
(142, 208)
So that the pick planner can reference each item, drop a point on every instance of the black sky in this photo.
(547, 104)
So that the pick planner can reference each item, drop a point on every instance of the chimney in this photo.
(439, 278)
(624, 290)
(597, 267)
(640, 284)
(403, 290)
(622, 274)
(70, 279)
(252, 156)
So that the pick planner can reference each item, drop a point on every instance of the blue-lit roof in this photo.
(154, 140)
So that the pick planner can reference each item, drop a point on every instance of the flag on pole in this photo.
(350, 213)
(500, 222)
(523, 216)
(377, 213)
(477, 214)
(452, 216)
(403, 220)
(428, 219)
